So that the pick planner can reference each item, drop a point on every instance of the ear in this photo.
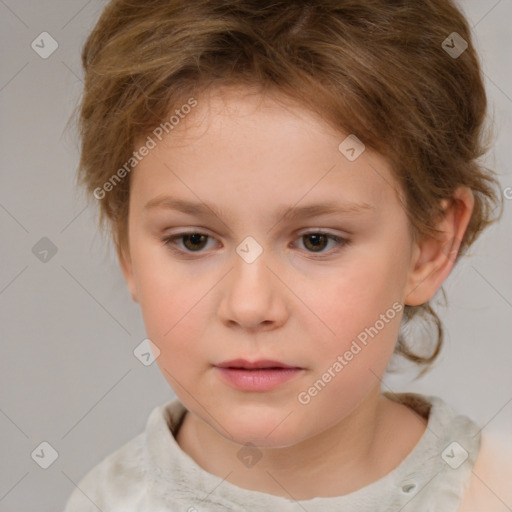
(125, 262)
(434, 258)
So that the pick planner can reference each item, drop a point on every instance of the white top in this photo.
(152, 473)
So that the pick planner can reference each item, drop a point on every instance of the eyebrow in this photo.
(312, 210)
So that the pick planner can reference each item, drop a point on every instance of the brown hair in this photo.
(373, 68)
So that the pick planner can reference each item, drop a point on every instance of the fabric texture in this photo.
(152, 473)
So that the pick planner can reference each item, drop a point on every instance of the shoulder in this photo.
(119, 482)
(444, 460)
(113, 483)
(490, 486)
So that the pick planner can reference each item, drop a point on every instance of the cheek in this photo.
(172, 306)
(362, 310)
(349, 364)
(356, 300)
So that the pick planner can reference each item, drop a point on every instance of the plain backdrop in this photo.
(68, 373)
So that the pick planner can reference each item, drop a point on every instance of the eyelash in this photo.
(170, 242)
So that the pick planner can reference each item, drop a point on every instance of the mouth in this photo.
(257, 376)
(242, 364)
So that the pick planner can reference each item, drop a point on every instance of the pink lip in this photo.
(248, 365)
(262, 375)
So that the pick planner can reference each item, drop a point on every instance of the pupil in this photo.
(317, 240)
(195, 239)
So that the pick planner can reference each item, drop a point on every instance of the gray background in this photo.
(68, 325)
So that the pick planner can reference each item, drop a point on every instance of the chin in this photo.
(272, 429)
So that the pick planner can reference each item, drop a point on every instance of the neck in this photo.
(347, 456)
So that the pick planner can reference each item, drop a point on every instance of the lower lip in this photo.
(258, 380)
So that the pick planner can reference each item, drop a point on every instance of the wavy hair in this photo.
(374, 68)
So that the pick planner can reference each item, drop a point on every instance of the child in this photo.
(223, 141)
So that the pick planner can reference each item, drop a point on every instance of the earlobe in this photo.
(434, 257)
(127, 269)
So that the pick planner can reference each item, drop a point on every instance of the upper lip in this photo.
(263, 363)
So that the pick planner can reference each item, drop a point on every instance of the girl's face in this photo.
(221, 273)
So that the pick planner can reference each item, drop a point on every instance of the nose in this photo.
(253, 297)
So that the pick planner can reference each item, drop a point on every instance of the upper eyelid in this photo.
(300, 233)
(297, 232)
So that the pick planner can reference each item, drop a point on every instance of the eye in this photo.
(195, 242)
(316, 241)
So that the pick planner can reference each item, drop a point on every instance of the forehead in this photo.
(238, 140)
